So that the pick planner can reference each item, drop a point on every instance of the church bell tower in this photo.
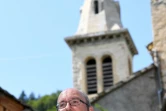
(102, 50)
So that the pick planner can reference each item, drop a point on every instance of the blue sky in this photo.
(33, 54)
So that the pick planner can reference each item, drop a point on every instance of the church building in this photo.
(102, 58)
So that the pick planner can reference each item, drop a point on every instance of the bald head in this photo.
(72, 93)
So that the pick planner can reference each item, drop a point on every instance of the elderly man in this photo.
(73, 100)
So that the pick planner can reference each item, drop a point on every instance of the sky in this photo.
(33, 54)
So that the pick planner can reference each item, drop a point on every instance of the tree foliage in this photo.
(32, 96)
(44, 103)
(23, 98)
(98, 106)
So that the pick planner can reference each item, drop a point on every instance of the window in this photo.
(130, 67)
(107, 72)
(96, 7)
(91, 76)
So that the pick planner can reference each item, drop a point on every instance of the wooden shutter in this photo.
(107, 72)
(91, 76)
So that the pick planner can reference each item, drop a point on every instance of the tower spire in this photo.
(99, 15)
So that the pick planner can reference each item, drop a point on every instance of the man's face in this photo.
(72, 94)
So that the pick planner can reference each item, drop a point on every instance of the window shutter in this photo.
(96, 7)
(91, 76)
(107, 73)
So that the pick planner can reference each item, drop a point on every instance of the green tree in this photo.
(23, 98)
(45, 103)
(100, 107)
(32, 96)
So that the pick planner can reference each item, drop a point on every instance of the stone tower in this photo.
(102, 50)
(99, 15)
(159, 34)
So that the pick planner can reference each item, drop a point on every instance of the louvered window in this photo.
(107, 72)
(91, 76)
(96, 7)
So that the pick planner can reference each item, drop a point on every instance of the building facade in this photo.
(102, 54)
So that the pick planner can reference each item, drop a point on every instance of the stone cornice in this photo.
(98, 36)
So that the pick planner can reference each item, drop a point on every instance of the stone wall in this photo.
(139, 94)
(159, 33)
(115, 47)
(105, 20)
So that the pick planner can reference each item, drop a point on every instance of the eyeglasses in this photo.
(73, 102)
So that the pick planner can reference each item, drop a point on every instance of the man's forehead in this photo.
(70, 94)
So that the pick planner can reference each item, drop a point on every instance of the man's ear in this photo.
(91, 108)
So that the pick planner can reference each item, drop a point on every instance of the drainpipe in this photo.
(160, 89)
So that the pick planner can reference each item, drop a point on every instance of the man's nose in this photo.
(68, 107)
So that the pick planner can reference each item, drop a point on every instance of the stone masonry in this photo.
(100, 33)
(137, 94)
(159, 33)
(116, 44)
(108, 17)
